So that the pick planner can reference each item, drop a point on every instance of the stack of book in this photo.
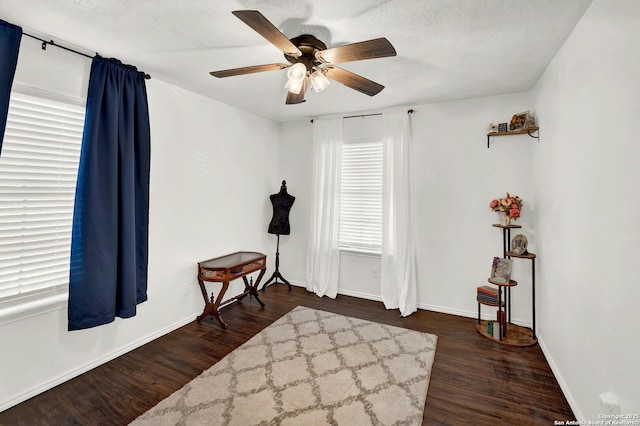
(488, 295)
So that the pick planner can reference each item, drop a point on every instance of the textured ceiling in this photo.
(447, 49)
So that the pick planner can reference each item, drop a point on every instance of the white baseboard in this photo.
(450, 311)
(360, 295)
(563, 385)
(4, 405)
(469, 314)
(343, 292)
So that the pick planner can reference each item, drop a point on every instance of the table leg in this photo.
(210, 305)
(504, 242)
(247, 289)
(207, 303)
(500, 312)
(214, 309)
(533, 296)
(508, 297)
(253, 289)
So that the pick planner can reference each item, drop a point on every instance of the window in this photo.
(361, 196)
(38, 170)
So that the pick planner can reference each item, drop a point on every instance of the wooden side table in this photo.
(225, 269)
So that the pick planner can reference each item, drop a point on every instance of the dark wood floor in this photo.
(474, 381)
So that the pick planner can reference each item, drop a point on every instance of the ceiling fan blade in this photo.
(376, 48)
(298, 98)
(248, 70)
(266, 29)
(354, 81)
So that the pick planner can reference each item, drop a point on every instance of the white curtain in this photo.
(323, 252)
(398, 270)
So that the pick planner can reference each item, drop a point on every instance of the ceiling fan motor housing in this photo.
(308, 45)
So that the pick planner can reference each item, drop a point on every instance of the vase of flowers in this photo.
(508, 208)
(504, 219)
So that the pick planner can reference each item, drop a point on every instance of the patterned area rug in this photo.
(310, 367)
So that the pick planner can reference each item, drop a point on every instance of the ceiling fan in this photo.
(310, 61)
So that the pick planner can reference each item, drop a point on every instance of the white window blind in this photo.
(38, 169)
(361, 196)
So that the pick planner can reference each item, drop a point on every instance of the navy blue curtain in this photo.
(10, 36)
(109, 245)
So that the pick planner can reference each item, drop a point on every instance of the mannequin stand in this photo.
(276, 273)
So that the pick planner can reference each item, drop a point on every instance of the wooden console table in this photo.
(225, 269)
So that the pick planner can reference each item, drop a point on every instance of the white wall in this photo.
(456, 178)
(578, 184)
(580, 216)
(586, 186)
(294, 159)
(212, 169)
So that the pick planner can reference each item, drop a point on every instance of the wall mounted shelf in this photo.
(514, 132)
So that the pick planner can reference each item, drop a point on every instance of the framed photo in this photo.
(519, 121)
(530, 122)
(501, 270)
(519, 244)
(503, 127)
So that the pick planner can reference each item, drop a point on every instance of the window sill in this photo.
(16, 311)
(351, 251)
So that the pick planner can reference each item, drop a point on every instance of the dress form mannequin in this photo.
(279, 225)
(282, 203)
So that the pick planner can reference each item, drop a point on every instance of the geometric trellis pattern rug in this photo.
(310, 367)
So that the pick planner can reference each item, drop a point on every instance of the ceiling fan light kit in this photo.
(319, 81)
(294, 86)
(310, 59)
(296, 74)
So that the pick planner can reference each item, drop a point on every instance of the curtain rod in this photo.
(362, 115)
(53, 43)
(409, 111)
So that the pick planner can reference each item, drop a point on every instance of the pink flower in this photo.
(510, 204)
